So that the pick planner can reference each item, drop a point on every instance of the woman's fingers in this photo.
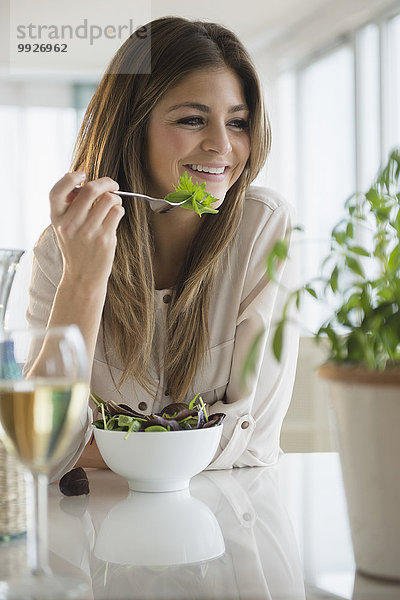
(113, 218)
(87, 197)
(60, 193)
(72, 209)
(100, 210)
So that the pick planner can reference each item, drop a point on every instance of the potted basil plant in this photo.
(361, 279)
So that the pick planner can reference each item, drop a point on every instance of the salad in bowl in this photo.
(161, 451)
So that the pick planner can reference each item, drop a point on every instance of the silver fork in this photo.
(158, 205)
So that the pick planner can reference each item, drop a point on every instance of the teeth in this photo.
(202, 168)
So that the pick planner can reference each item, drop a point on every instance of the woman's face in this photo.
(199, 126)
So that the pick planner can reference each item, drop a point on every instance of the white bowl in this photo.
(169, 529)
(158, 461)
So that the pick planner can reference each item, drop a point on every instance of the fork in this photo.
(158, 205)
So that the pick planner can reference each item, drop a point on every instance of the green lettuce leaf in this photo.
(196, 197)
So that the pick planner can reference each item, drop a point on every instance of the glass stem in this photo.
(38, 559)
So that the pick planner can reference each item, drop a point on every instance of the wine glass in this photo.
(43, 405)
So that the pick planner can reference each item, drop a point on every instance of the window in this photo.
(391, 82)
(338, 118)
(325, 146)
(39, 123)
(35, 151)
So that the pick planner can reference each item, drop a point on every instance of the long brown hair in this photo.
(112, 142)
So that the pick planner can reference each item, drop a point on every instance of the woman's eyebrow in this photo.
(206, 109)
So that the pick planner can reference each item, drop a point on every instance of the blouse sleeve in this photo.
(46, 275)
(254, 415)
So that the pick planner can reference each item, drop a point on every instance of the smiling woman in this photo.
(169, 303)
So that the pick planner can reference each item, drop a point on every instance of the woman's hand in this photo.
(85, 222)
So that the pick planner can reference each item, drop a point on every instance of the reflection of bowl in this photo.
(158, 461)
(159, 530)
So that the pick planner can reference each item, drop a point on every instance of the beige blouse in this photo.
(243, 303)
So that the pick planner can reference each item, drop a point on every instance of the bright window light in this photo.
(35, 151)
(393, 83)
(325, 151)
(368, 127)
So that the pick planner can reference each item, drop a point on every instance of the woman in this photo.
(169, 304)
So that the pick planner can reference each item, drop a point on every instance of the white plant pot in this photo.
(367, 412)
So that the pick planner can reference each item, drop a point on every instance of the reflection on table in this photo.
(229, 537)
(251, 534)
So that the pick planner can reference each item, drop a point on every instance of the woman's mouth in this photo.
(207, 172)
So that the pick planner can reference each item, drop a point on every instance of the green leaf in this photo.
(203, 406)
(310, 291)
(192, 403)
(96, 399)
(271, 265)
(277, 342)
(359, 250)
(250, 362)
(134, 426)
(278, 253)
(333, 280)
(339, 237)
(132, 422)
(199, 208)
(124, 420)
(396, 220)
(197, 199)
(354, 301)
(155, 428)
(336, 351)
(178, 196)
(186, 184)
(394, 259)
(298, 299)
(350, 230)
(354, 266)
(386, 294)
(281, 249)
(112, 423)
(104, 416)
(373, 197)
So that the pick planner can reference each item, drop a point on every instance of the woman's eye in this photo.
(239, 124)
(193, 121)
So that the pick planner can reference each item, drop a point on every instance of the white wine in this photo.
(39, 418)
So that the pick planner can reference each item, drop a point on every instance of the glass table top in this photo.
(254, 534)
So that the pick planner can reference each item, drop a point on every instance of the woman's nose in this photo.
(216, 139)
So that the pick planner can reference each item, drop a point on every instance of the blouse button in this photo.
(167, 299)
(142, 405)
(245, 425)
